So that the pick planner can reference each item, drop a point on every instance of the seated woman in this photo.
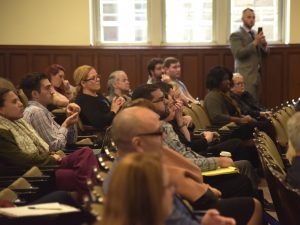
(246, 102)
(118, 86)
(147, 194)
(22, 146)
(96, 110)
(222, 108)
(63, 90)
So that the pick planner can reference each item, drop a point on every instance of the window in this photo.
(123, 21)
(181, 22)
(188, 21)
(267, 15)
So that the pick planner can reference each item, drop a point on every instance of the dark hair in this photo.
(152, 63)
(52, 70)
(140, 102)
(32, 82)
(164, 87)
(3, 92)
(247, 9)
(144, 91)
(215, 76)
(170, 60)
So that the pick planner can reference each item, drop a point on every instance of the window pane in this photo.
(189, 21)
(123, 21)
(266, 16)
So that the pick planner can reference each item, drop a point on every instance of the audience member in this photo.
(137, 129)
(223, 109)
(4, 83)
(96, 110)
(166, 110)
(118, 85)
(155, 70)
(62, 89)
(248, 48)
(172, 69)
(293, 130)
(21, 146)
(39, 92)
(247, 103)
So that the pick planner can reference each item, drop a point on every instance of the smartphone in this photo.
(260, 29)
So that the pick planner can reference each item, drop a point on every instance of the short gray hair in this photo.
(112, 78)
(293, 130)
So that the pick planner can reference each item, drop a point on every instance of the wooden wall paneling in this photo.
(131, 65)
(293, 75)
(190, 73)
(145, 58)
(228, 61)
(107, 63)
(86, 58)
(18, 66)
(2, 65)
(272, 80)
(39, 62)
(66, 60)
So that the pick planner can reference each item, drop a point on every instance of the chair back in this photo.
(188, 111)
(201, 114)
(281, 135)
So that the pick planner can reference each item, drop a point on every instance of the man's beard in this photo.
(165, 114)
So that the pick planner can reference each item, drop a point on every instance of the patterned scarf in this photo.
(25, 136)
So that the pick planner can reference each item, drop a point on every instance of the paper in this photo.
(38, 210)
(221, 171)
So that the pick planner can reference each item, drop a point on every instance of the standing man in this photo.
(248, 47)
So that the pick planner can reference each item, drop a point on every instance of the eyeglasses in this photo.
(155, 133)
(96, 77)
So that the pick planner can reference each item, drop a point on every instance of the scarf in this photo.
(232, 102)
(25, 136)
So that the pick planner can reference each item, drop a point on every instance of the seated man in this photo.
(155, 70)
(118, 85)
(172, 69)
(39, 92)
(164, 108)
(293, 130)
(137, 129)
(21, 146)
(247, 103)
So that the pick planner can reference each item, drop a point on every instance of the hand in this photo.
(187, 120)
(208, 135)
(72, 108)
(260, 39)
(67, 85)
(72, 119)
(225, 162)
(246, 119)
(57, 157)
(265, 114)
(213, 217)
(165, 78)
(216, 191)
(116, 104)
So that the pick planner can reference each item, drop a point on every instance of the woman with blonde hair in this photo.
(139, 193)
(96, 110)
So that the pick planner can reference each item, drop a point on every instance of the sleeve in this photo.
(240, 51)
(72, 134)
(213, 105)
(12, 155)
(53, 134)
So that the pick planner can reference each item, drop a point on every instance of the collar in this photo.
(39, 105)
(246, 29)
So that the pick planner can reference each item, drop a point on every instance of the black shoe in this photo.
(268, 206)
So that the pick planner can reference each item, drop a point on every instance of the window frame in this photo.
(156, 21)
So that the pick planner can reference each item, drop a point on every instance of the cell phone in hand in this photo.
(260, 29)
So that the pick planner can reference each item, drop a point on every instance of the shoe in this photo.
(268, 206)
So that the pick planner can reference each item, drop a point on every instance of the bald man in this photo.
(137, 129)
